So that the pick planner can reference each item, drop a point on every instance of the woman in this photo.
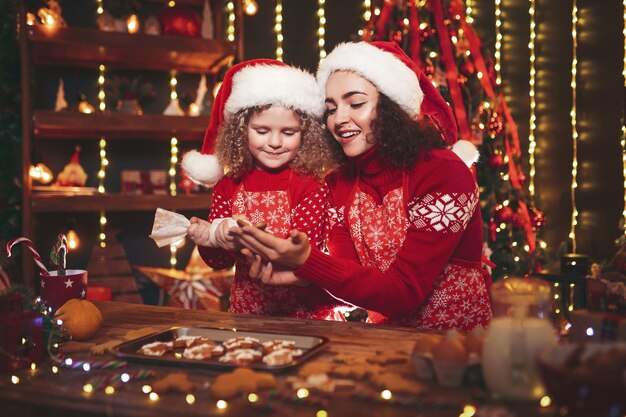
(405, 233)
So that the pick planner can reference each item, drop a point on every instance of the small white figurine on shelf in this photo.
(61, 103)
(73, 174)
(173, 109)
(197, 106)
(207, 21)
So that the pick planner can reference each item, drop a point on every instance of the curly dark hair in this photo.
(315, 156)
(401, 137)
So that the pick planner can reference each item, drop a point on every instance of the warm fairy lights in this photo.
(321, 31)
(278, 28)
(572, 233)
(533, 104)
(100, 8)
(173, 163)
(545, 401)
(230, 29)
(623, 143)
(468, 12)
(367, 15)
(104, 162)
(498, 47)
(190, 399)
(221, 404)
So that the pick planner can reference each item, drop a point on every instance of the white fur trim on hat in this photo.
(290, 87)
(390, 75)
(466, 151)
(202, 169)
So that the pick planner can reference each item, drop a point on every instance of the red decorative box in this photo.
(21, 334)
(142, 182)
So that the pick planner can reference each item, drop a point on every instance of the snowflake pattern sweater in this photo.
(286, 201)
(434, 280)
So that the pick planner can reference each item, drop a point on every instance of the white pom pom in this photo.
(202, 169)
(466, 151)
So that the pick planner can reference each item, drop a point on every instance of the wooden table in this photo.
(43, 393)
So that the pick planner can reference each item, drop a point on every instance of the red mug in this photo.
(57, 289)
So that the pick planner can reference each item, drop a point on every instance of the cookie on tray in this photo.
(241, 357)
(201, 352)
(155, 348)
(278, 357)
(241, 343)
(272, 345)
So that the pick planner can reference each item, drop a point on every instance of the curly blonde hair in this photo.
(315, 156)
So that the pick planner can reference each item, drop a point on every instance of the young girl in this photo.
(267, 136)
(405, 229)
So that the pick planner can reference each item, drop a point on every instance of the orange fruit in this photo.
(81, 318)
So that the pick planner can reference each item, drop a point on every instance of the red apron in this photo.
(250, 296)
(459, 298)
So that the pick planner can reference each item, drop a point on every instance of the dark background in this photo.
(600, 194)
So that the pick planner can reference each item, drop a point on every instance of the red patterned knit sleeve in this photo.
(218, 258)
(441, 203)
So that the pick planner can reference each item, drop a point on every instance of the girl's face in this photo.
(274, 137)
(351, 107)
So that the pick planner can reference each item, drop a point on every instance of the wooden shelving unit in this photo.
(71, 125)
(118, 202)
(90, 48)
(82, 47)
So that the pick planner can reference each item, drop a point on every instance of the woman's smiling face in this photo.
(351, 102)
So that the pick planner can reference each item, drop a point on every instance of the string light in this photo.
(278, 28)
(321, 31)
(173, 162)
(623, 143)
(230, 29)
(497, 54)
(533, 104)
(100, 8)
(468, 12)
(572, 233)
(104, 162)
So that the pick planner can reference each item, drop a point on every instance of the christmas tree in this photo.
(438, 37)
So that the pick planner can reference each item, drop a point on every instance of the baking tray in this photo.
(310, 345)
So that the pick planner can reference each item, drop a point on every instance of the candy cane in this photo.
(58, 253)
(33, 251)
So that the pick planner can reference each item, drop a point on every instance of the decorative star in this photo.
(68, 283)
(43, 283)
(82, 293)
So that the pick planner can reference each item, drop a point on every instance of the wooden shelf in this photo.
(118, 202)
(91, 47)
(73, 125)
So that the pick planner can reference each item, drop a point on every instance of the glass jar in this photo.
(520, 329)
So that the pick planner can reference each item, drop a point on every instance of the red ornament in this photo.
(492, 230)
(496, 161)
(522, 178)
(180, 21)
(518, 221)
(505, 214)
(537, 218)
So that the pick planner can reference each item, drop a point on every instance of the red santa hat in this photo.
(394, 74)
(250, 84)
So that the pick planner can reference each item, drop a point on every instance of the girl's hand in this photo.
(291, 252)
(223, 239)
(198, 231)
(266, 273)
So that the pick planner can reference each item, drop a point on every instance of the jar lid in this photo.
(528, 291)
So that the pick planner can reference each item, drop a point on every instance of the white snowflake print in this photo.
(445, 213)
(268, 199)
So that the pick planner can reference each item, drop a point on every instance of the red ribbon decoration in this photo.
(414, 35)
(511, 135)
(381, 23)
(452, 74)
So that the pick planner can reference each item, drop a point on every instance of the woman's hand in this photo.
(264, 271)
(291, 252)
